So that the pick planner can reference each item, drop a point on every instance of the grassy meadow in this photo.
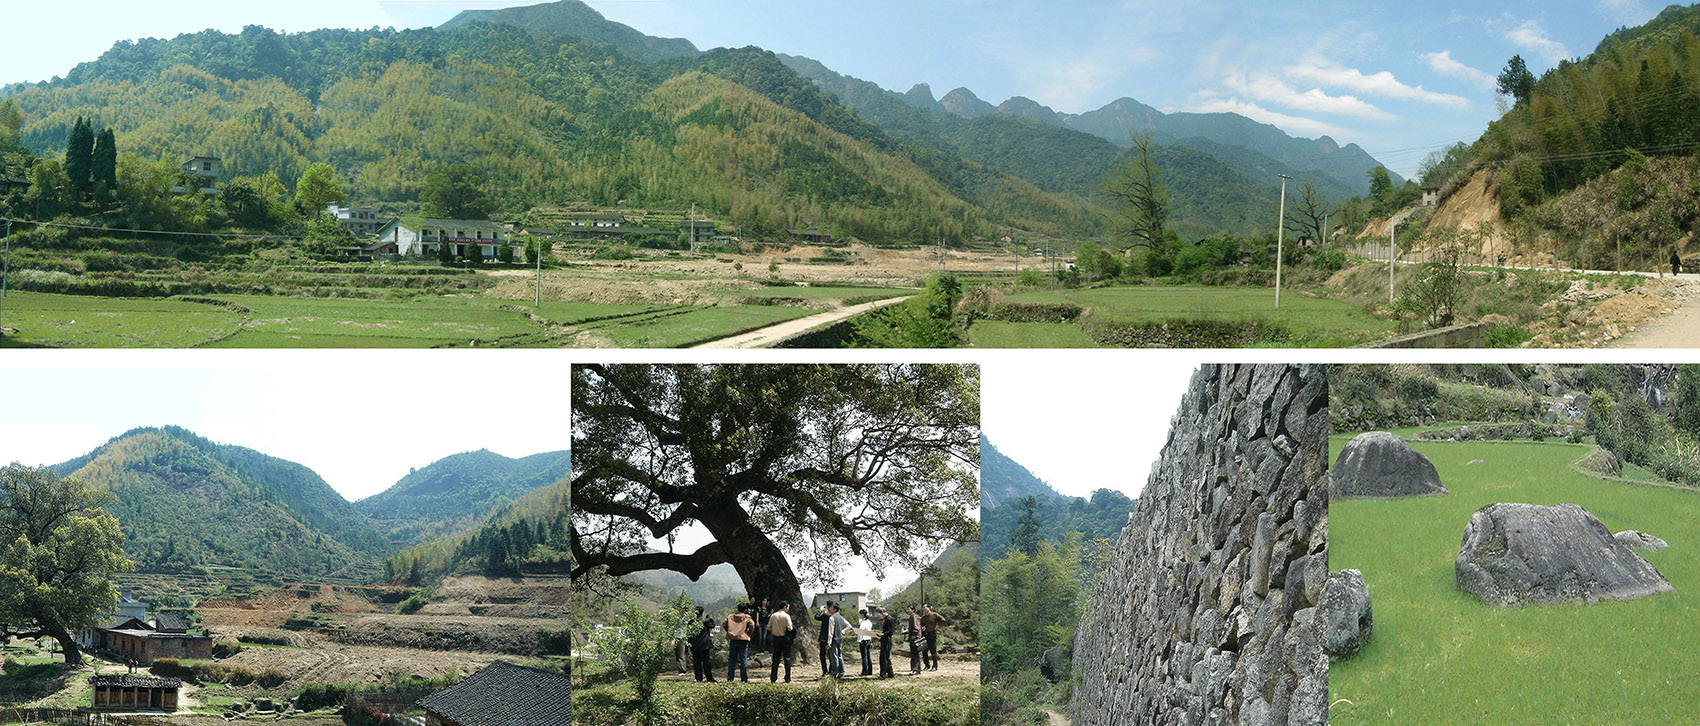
(1313, 321)
(1438, 655)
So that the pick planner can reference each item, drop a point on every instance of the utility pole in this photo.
(537, 256)
(1280, 234)
(5, 273)
(1392, 250)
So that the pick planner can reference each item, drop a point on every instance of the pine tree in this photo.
(79, 155)
(104, 164)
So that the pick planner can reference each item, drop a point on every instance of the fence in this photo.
(71, 716)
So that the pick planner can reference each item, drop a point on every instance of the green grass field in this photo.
(1317, 322)
(999, 334)
(72, 321)
(820, 292)
(58, 321)
(1440, 656)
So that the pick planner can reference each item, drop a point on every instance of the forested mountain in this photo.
(551, 118)
(529, 532)
(1005, 487)
(1349, 165)
(1002, 480)
(575, 19)
(185, 503)
(456, 493)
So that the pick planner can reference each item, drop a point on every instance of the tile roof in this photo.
(129, 681)
(505, 694)
(170, 621)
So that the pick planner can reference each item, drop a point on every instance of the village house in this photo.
(605, 220)
(503, 694)
(199, 173)
(421, 237)
(358, 221)
(132, 638)
(10, 183)
(849, 602)
(697, 231)
(1431, 196)
(134, 693)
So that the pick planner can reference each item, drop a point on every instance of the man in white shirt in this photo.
(866, 642)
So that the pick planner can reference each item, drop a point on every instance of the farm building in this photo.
(1431, 196)
(358, 221)
(421, 236)
(605, 220)
(199, 174)
(503, 694)
(701, 230)
(132, 638)
(10, 183)
(134, 693)
(850, 602)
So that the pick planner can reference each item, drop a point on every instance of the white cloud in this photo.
(1263, 87)
(1445, 65)
(1291, 124)
(1381, 83)
(1529, 36)
(1623, 11)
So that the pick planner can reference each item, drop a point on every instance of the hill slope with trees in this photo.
(457, 492)
(186, 503)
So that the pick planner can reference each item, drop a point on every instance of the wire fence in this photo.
(72, 716)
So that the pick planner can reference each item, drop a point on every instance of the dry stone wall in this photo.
(1206, 613)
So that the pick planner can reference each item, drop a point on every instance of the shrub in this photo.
(271, 678)
(171, 668)
(225, 649)
(1329, 260)
(411, 605)
(1507, 335)
(555, 642)
(261, 639)
(505, 253)
(314, 696)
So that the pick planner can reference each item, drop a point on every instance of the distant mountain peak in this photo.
(964, 103)
(576, 19)
(1002, 479)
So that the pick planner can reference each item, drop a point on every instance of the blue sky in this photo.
(360, 419)
(1396, 78)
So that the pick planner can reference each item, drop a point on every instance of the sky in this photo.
(1398, 79)
(1097, 422)
(360, 420)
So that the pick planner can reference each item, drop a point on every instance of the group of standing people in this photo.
(772, 630)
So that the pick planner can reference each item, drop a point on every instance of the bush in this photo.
(411, 605)
(555, 642)
(505, 253)
(259, 639)
(171, 668)
(314, 696)
(1329, 260)
(361, 713)
(1507, 335)
(225, 649)
(1419, 389)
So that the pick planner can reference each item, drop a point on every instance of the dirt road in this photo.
(775, 333)
(1678, 329)
(1057, 719)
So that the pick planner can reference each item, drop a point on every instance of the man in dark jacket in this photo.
(702, 647)
(761, 614)
(1675, 263)
(888, 630)
(825, 621)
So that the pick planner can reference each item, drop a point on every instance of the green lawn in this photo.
(1440, 656)
(677, 330)
(74, 321)
(820, 293)
(999, 334)
(1317, 322)
(362, 323)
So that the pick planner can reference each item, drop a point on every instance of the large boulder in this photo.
(1528, 554)
(1380, 465)
(1346, 618)
(1052, 664)
(1639, 540)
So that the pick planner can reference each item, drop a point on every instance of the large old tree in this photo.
(818, 462)
(58, 553)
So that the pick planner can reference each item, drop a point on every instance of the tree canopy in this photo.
(58, 553)
(813, 462)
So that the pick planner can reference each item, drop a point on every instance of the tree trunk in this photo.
(766, 573)
(73, 656)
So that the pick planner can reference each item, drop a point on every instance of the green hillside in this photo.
(529, 533)
(575, 19)
(1004, 484)
(186, 503)
(1003, 480)
(551, 117)
(456, 493)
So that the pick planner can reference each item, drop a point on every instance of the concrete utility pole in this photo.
(6, 272)
(1392, 250)
(1280, 233)
(537, 255)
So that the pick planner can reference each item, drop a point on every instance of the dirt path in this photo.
(775, 333)
(1057, 719)
(1678, 329)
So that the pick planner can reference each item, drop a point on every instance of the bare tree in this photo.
(1308, 213)
(1139, 201)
